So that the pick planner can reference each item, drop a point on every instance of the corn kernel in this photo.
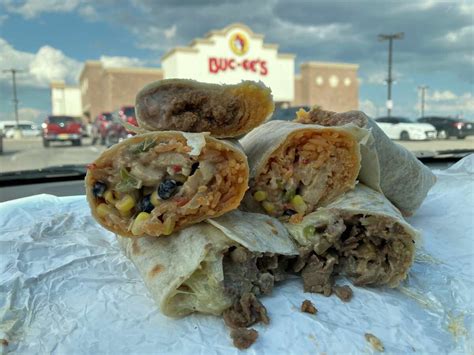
(168, 226)
(154, 199)
(104, 210)
(268, 206)
(138, 222)
(109, 196)
(299, 204)
(126, 214)
(260, 196)
(125, 204)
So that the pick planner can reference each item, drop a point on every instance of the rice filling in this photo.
(309, 170)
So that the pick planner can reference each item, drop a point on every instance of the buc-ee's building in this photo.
(227, 56)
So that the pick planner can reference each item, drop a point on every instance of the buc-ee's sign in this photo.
(239, 45)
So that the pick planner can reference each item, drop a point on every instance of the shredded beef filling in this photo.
(177, 106)
(308, 307)
(243, 338)
(343, 292)
(360, 247)
(247, 275)
(329, 118)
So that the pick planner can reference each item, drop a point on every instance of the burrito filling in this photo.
(230, 284)
(156, 186)
(190, 107)
(328, 118)
(371, 250)
(309, 170)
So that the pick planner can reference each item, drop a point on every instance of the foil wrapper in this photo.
(66, 288)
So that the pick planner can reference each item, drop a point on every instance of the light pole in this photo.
(15, 98)
(390, 38)
(423, 89)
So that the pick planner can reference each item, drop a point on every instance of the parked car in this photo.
(116, 131)
(405, 129)
(450, 127)
(100, 126)
(27, 130)
(287, 114)
(61, 129)
(127, 114)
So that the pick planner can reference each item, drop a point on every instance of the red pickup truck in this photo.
(61, 129)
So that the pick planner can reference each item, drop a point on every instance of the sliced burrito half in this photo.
(360, 235)
(216, 268)
(295, 168)
(158, 182)
(190, 106)
(403, 178)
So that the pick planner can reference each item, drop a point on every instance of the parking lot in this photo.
(29, 153)
(25, 154)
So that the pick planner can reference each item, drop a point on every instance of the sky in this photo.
(51, 39)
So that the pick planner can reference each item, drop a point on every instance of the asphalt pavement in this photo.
(29, 153)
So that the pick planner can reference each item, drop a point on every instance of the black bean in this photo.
(99, 188)
(194, 167)
(167, 188)
(145, 205)
(289, 212)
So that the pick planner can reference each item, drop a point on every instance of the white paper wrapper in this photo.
(66, 288)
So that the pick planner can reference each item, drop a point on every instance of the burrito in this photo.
(155, 183)
(295, 168)
(217, 268)
(191, 106)
(403, 179)
(360, 235)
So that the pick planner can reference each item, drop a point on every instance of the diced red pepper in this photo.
(177, 168)
(181, 201)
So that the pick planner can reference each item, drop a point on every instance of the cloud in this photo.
(437, 96)
(323, 30)
(377, 77)
(51, 64)
(26, 114)
(447, 103)
(120, 62)
(89, 13)
(32, 8)
(155, 38)
(40, 68)
(368, 107)
(170, 32)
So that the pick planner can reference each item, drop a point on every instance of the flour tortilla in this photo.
(404, 180)
(184, 272)
(378, 221)
(225, 111)
(122, 155)
(262, 143)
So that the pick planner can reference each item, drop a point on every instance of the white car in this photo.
(405, 129)
(27, 130)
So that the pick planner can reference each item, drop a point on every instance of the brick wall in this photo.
(334, 86)
(106, 89)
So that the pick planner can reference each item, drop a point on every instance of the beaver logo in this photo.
(239, 43)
